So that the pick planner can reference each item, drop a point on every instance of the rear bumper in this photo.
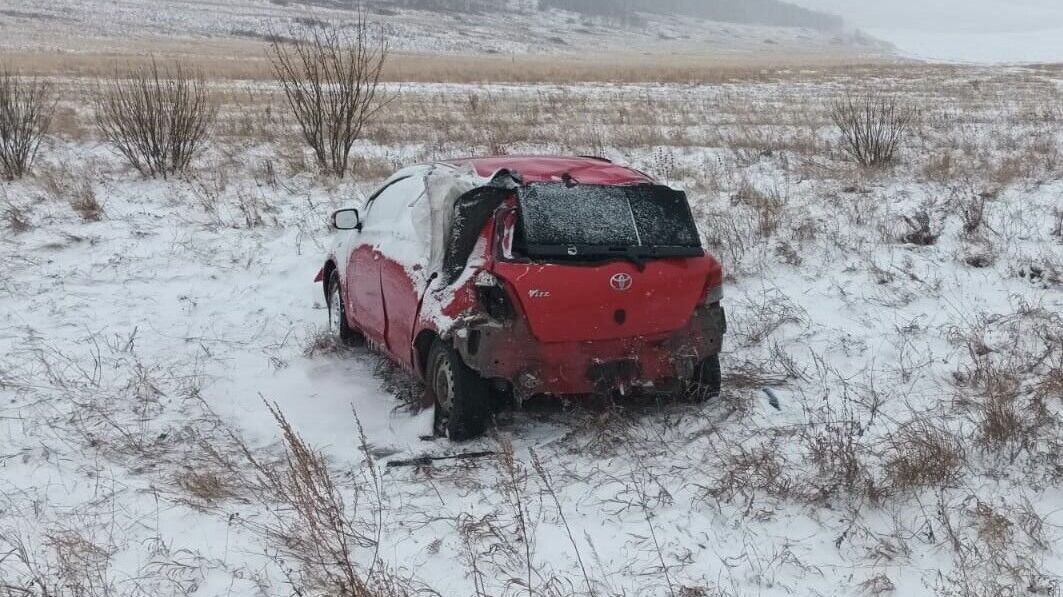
(509, 351)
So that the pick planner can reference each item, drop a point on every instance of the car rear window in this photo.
(586, 219)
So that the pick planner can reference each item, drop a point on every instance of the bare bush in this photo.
(157, 118)
(331, 80)
(26, 110)
(872, 127)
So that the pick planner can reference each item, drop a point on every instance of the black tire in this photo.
(707, 380)
(337, 314)
(461, 396)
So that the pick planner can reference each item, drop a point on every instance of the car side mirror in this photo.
(346, 219)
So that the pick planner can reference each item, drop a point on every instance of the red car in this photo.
(533, 275)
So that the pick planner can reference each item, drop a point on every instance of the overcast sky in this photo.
(964, 30)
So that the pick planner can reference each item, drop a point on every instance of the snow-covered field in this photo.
(916, 446)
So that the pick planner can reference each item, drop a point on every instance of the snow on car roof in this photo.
(585, 170)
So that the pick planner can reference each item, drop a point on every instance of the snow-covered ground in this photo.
(915, 449)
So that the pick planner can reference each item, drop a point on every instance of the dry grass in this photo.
(15, 217)
(923, 454)
(752, 472)
(247, 60)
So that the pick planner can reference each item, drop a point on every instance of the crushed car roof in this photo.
(584, 170)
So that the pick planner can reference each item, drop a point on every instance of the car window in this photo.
(586, 220)
(389, 208)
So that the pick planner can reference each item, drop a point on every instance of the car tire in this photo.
(337, 314)
(707, 380)
(460, 395)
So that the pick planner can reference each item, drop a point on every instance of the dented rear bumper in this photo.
(509, 351)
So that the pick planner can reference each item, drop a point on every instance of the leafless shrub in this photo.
(157, 118)
(923, 454)
(331, 80)
(872, 126)
(26, 110)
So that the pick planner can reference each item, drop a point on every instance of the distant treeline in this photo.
(758, 12)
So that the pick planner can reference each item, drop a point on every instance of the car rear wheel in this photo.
(337, 314)
(461, 396)
(707, 380)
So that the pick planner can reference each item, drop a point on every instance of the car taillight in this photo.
(713, 292)
(493, 297)
(713, 295)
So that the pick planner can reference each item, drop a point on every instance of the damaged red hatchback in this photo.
(529, 275)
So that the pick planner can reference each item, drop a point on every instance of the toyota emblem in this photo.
(621, 282)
